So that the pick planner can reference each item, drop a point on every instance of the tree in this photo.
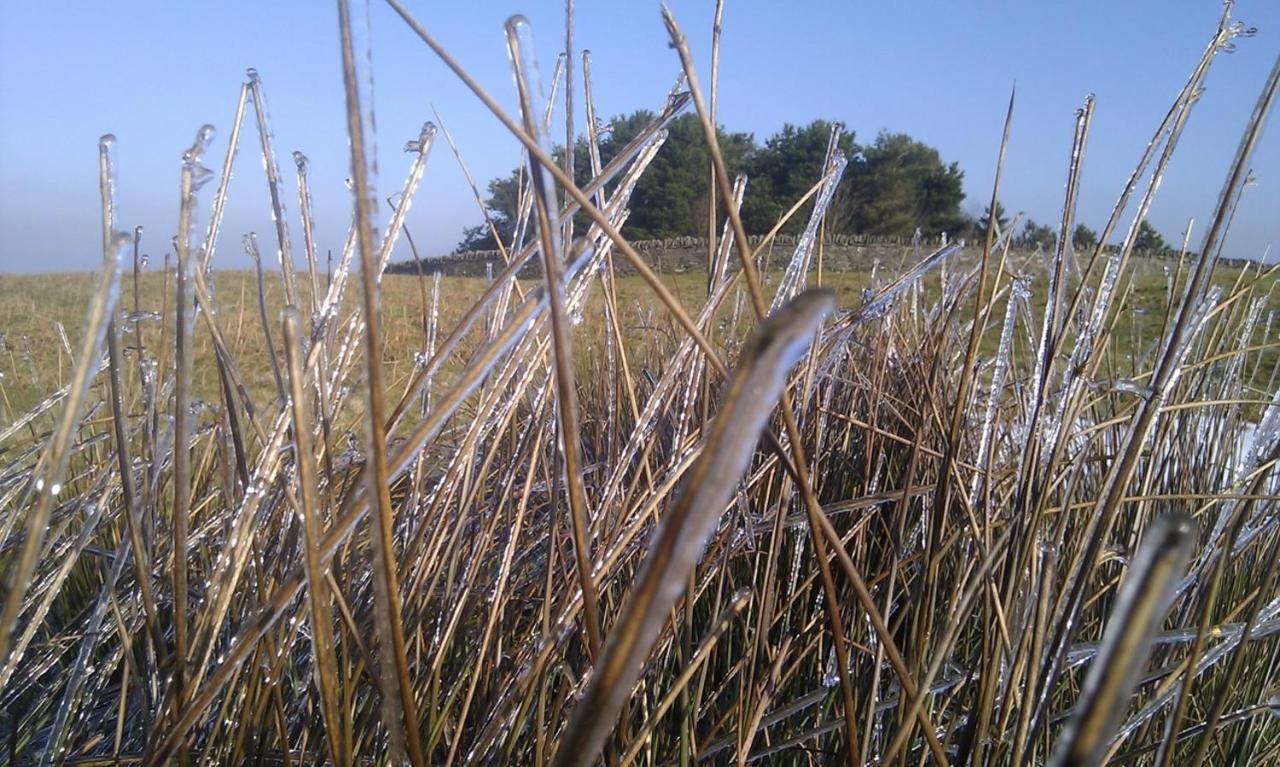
(503, 207)
(672, 197)
(901, 184)
(1002, 220)
(780, 172)
(1149, 239)
(1038, 235)
(894, 186)
(1084, 238)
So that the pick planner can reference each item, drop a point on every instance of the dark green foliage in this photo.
(1084, 238)
(1002, 220)
(1039, 235)
(781, 171)
(901, 184)
(672, 196)
(503, 204)
(890, 187)
(1149, 238)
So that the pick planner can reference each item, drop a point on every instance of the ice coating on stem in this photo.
(528, 81)
(266, 137)
(422, 147)
(107, 164)
(1198, 319)
(1019, 291)
(1208, 660)
(1102, 303)
(422, 143)
(794, 278)
(362, 48)
(1264, 439)
(139, 316)
(721, 263)
(879, 301)
(47, 477)
(433, 326)
(611, 371)
(200, 175)
(303, 167)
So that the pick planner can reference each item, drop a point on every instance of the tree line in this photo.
(894, 185)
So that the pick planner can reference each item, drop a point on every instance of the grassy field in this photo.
(494, 553)
(978, 507)
(41, 319)
(37, 361)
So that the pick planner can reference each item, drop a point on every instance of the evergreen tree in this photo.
(1084, 238)
(901, 184)
(785, 168)
(1149, 239)
(1002, 221)
(1034, 235)
(892, 187)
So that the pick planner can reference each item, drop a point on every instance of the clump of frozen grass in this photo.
(565, 532)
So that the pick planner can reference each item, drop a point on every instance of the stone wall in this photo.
(683, 254)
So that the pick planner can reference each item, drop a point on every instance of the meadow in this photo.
(41, 317)
(975, 506)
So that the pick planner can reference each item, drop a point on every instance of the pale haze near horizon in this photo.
(153, 73)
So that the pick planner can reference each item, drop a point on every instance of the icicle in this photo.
(793, 280)
(875, 304)
(433, 325)
(420, 148)
(1102, 303)
(1019, 291)
(266, 136)
(1198, 318)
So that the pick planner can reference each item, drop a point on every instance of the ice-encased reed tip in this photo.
(200, 175)
(423, 142)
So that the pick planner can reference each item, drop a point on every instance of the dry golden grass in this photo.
(980, 508)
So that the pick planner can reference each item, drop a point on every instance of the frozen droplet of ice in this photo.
(191, 158)
(831, 674)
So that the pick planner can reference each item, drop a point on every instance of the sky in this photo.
(153, 73)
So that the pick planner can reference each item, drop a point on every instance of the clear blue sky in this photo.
(152, 73)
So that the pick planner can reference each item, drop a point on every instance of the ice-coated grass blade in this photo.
(399, 710)
(1140, 607)
(46, 481)
(677, 544)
